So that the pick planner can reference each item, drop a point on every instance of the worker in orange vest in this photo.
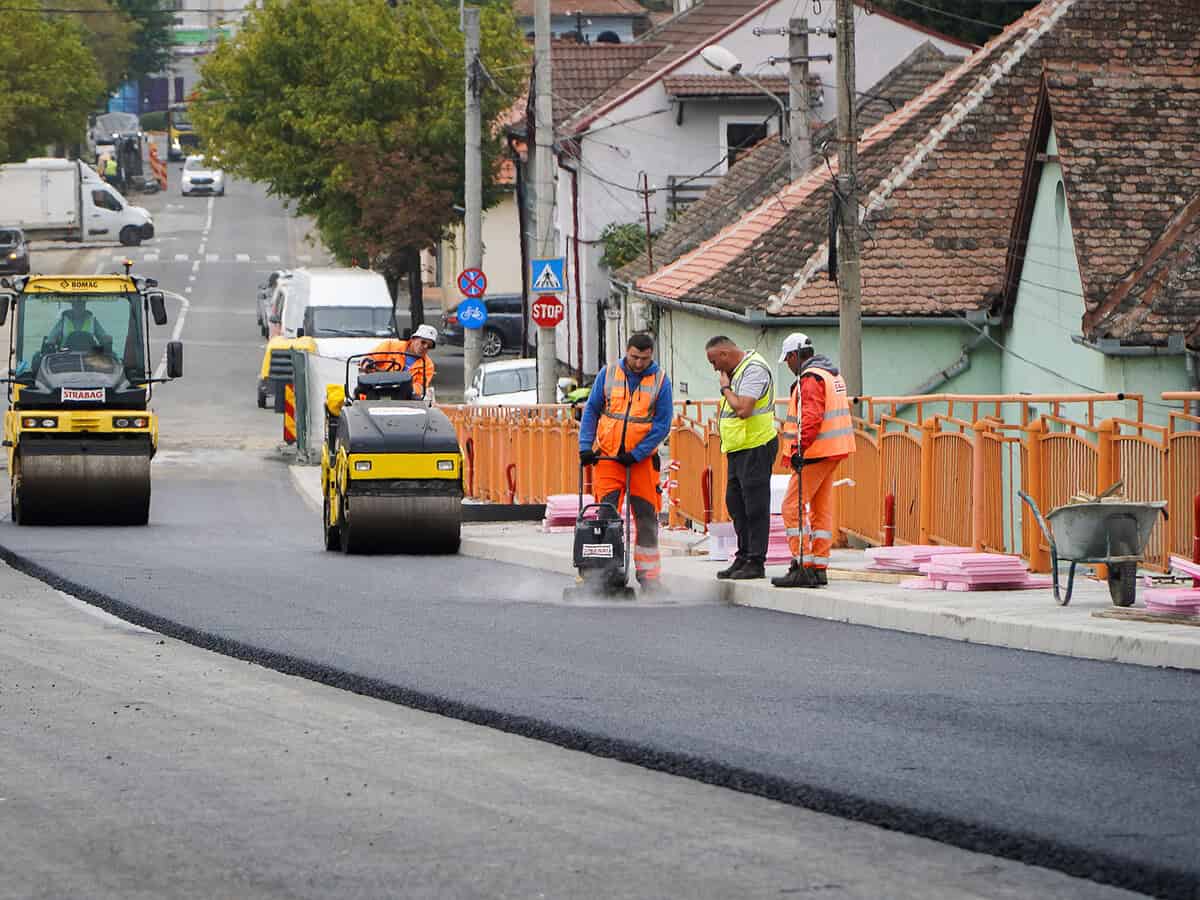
(395, 355)
(628, 414)
(818, 434)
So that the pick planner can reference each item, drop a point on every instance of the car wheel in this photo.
(131, 236)
(491, 344)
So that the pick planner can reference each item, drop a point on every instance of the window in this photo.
(178, 89)
(105, 200)
(510, 381)
(349, 321)
(504, 305)
(740, 137)
(104, 328)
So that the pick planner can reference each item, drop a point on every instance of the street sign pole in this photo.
(547, 276)
(473, 220)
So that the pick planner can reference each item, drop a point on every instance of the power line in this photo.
(950, 15)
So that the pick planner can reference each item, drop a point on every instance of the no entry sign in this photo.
(547, 311)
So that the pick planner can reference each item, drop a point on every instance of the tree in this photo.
(51, 81)
(355, 110)
(152, 44)
(108, 32)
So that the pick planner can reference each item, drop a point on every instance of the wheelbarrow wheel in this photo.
(1122, 583)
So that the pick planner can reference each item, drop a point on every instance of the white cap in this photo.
(797, 340)
(428, 332)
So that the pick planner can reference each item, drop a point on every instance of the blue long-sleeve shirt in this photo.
(664, 410)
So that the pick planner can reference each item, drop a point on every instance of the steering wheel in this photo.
(371, 364)
(81, 342)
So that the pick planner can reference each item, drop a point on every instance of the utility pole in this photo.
(800, 147)
(849, 242)
(473, 219)
(547, 352)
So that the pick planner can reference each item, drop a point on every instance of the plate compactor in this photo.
(391, 469)
(603, 548)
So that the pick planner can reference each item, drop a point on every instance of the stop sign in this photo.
(547, 311)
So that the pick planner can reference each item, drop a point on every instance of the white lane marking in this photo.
(181, 257)
(150, 257)
(184, 306)
(192, 277)
(208, 218)
(196, 265)
(118, 258)
(187, 290)
(212, 257)
(97, 612)
(273, 258)
(304, 258)
(243, 257)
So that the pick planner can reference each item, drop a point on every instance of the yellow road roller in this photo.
(391, 468)
(79, 430)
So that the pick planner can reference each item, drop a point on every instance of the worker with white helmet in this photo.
(412, 355)
(818, 434)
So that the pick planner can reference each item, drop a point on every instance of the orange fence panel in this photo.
(900, 475)
(1183, 480)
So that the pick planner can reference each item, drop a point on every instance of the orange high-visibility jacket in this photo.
(836, 434)
(628, 416)
(422, 368)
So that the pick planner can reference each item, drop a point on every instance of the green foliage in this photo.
(151, 52)
(109, 33)
(50, 81)
(328, 101)
(622, 243)
(974, 21)
(155, 121)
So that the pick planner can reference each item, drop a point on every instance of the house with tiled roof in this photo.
(674, 124)
(1030, 223)
(589, 21)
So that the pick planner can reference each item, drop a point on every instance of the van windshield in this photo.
(510, 381)
(349, 321)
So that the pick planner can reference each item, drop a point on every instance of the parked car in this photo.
(502, 331)
(201, 177)
(14, 252)
(266, 293)
(512, 382)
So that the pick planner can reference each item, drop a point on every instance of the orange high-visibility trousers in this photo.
(817, 532)
(608, 484)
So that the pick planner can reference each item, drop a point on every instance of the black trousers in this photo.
(748, 499)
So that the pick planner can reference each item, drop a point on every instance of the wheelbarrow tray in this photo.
(1104, 532)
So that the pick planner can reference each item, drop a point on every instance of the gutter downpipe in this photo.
(575, 265)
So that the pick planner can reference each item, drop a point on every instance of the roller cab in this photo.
(79, 430)
(391, 470)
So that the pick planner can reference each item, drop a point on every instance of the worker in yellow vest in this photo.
(818, 434)
(748, 440)
(627, 416)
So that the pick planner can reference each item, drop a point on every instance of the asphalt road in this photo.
(1081, 766)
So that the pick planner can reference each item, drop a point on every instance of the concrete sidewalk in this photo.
(1023, 620)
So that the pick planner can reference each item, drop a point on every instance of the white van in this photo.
(346, 311)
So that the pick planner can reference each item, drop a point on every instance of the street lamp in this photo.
(724, 61)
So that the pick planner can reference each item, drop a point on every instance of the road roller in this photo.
(391, 468)
(79, 429)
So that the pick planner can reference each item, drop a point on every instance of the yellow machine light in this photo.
(140, 423)
(35, 422)
(49, 423)
(121, 423)
(445, 465)
(362, 465)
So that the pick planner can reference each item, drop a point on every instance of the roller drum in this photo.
(401, 524)
(86, 488)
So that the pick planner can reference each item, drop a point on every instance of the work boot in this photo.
(822, 577)
(797, 576)
(727, 572)
(748, 571)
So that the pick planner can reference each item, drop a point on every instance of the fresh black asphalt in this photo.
(1087, 767)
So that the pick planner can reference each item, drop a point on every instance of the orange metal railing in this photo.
(953, 463)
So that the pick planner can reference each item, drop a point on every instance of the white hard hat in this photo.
(797, 340)
(427, 332)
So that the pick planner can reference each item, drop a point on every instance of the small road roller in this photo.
(391, 468)
(79, 429)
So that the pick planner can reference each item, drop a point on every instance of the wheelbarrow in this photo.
(1113, 533)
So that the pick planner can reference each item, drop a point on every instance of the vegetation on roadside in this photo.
(623, 243)
(354, 110)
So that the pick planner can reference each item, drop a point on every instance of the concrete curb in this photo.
(1016, 620)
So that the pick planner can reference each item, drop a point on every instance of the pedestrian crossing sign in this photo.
(547, 275)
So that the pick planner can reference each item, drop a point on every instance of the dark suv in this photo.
(502, 331)
(14, 252)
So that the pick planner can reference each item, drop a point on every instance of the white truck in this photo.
(64, 199)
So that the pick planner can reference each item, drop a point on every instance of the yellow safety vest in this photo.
(756, 429)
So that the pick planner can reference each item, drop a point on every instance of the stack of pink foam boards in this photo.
(722, 542)
(976, 572)
(1179, 601)
(778, 552)
(562, 510)
(907, 559)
